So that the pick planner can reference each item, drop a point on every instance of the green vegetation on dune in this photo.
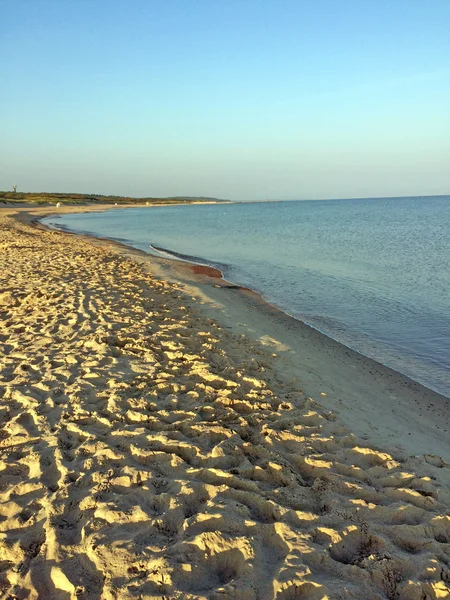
(66, 198)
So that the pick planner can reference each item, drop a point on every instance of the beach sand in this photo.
(166, 435)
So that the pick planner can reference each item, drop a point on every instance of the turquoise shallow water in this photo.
(372, 273)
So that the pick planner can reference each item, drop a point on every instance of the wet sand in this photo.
(166, 435)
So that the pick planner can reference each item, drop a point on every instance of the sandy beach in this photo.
(165, 434)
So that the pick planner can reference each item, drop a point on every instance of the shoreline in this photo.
(175, 256)
(390, 393)
(158, 438)
(324, 367)
(438, 388)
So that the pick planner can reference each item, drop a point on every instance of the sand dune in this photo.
(149, 453)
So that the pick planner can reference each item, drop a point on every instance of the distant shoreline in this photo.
(73, 199)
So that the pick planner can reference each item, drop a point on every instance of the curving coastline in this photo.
(159, 438)
(413, 342)
(430, 425)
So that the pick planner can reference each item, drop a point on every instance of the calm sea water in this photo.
(372, 274)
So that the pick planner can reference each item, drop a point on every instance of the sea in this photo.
(373, 274)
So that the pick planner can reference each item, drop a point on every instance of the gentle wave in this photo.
(197, 260)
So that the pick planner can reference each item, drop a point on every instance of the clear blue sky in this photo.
(241, 99)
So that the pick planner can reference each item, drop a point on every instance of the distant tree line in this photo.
(66, 198)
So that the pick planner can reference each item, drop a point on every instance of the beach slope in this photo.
(149, 452)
